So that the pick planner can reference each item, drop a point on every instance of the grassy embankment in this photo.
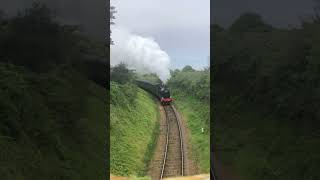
(190, 89)
(134, 129)
(50, 124)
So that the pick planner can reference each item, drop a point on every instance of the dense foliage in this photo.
(196, 83)
(191, 90)
(52, 110)
(34, 39)
(266, 98)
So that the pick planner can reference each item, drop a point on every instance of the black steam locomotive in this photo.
(157, 89)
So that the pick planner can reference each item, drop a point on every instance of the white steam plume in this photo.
(140, 53)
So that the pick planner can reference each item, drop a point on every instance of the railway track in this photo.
(173, 159)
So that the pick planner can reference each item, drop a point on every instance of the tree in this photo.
(121, 74)
(33, 39)
(173, 73)
(188, 68)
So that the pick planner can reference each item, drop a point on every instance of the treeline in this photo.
(192, 82)
(122, 74)
(35, 40)
(123, 90)
(276, 68)
(52, 99)
(266, 83)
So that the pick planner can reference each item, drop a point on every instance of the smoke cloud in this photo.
(140, 53)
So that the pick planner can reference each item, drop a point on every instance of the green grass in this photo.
(134, 128)
(196, 114)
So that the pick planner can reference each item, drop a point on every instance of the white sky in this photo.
(180, 27)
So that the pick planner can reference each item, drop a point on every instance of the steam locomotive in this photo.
(157, 89)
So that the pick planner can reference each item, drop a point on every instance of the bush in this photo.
(123, 94)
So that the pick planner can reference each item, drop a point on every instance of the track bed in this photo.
(173, 160)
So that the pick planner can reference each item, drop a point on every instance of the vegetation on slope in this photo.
(266, 96)
(134, 125)
(48, 126)
(52, 107)
(191, 91)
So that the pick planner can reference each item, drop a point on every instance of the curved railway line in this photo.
(173, 159)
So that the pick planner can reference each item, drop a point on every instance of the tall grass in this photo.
(196, 114)
(133, 130)
(191, 89)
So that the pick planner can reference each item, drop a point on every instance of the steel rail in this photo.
(166, 148)
(167, 142)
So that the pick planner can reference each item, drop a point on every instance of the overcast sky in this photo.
(180, 27)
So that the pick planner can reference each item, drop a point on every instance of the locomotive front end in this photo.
(165, 96)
